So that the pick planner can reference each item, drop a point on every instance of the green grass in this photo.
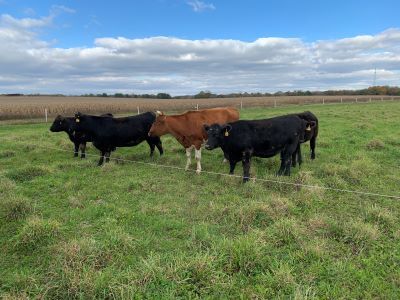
(70, 229)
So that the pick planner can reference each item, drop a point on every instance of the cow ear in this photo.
(227, 127)
(206, 127)
(78, 117)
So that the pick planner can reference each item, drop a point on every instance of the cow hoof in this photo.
(198, 172)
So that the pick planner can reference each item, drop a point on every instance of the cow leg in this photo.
(82, 147)
(296, 157)
(246, 166)
(188, 154)
(226, 158)
(286, 157)
(76, 149)
(197, 155)
(282, 167)
(101, 160)
(107, 156)
(299, 156)
(232, 165)
(152, 147)
(159, 147)
(313, 141)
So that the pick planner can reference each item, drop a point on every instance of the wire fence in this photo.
(280, 182)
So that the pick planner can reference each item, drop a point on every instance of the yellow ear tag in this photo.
(226, 133)
(77, 120)
(308, 128)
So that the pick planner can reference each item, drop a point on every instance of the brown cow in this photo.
(188, 128)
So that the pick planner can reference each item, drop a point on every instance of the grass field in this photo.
(69, 229)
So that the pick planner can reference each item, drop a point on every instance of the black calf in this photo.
(78, 138)
(109, 133)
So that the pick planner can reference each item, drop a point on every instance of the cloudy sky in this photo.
(185, 46)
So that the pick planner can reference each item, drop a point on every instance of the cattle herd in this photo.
(215, 128)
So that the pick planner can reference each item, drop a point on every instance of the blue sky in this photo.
(309, 20)
(187, 40)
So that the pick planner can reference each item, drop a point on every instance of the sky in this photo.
(186, 46)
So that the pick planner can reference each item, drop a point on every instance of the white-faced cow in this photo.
(188, 128)
(262, 138)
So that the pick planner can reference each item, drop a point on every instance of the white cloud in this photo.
(180, 66)
(200, 6)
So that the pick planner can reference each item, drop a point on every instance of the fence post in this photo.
(138, 110)
(197, 106)
(356, 100)
(274, 103)
(45, 114)
(323, 100)
(381, 98)
(241, 104)
(370, 99)
(341, 100)
(392, 98)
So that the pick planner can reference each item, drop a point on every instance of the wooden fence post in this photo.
(274, 103)
(138, 110)
(45, 114)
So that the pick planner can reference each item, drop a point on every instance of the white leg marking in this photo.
(197, 155)
(188, 154)
(225, 160)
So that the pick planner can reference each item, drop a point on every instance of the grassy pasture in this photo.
(33, 107)
(69, 229)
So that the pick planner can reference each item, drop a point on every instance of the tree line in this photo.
(373, 90)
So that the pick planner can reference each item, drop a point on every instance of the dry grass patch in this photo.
(375, 145)
(36, 232)
(15, 208)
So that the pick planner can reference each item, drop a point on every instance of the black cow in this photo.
(109, 133)
(78, 138)
(311, 134)
(262, 138)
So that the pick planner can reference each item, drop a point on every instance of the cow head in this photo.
(60, 124)
(159, 127)
(216, 134)
(309, 130)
